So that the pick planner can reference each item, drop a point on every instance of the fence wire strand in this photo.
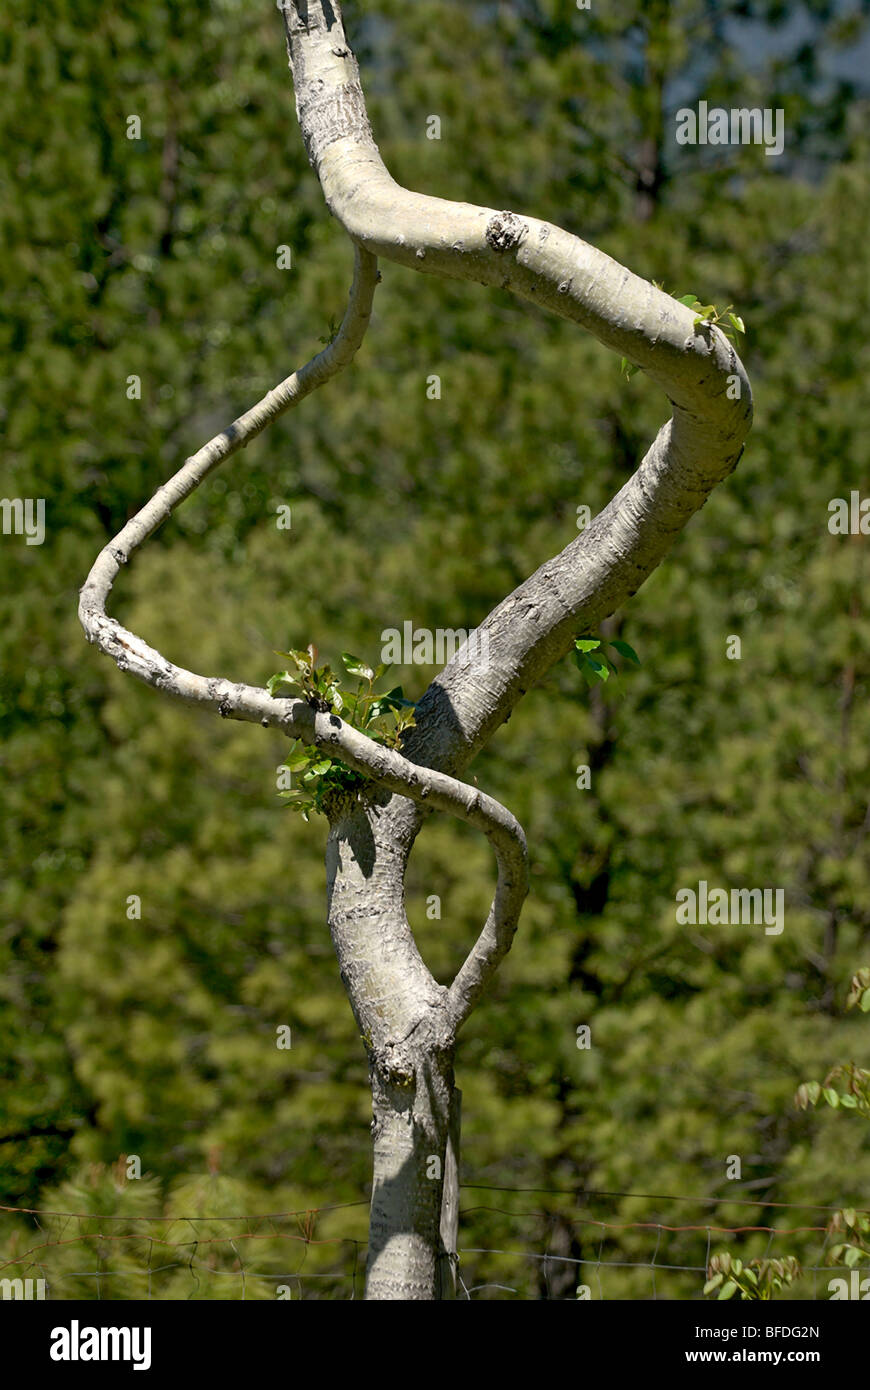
(244, 1257)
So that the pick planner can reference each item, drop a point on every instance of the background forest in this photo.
(157, 257)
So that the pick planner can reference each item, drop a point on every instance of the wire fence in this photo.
(559, 1249)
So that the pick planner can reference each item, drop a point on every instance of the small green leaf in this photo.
(625, 650)
(713, 1283)
(586, 644)
(738, 322)
(831, 1096)
(281, 678)
(297, 761)
(600, 669)
(395, 699)
(688, 299)
(728, 1291)
(852, 1256)
(357, 667)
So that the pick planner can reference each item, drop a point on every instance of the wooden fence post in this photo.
(448, 1259)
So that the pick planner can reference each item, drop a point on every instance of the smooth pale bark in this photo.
(410, 1128)
(535, 626)
(408, 1021)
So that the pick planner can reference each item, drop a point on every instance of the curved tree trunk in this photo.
(529, 631)
(409, 1023)
(405, 1022)
(410, 1130)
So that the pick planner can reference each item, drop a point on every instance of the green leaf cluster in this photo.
(756, 1280)
(383, 717)
(706, 315)
(600, 668)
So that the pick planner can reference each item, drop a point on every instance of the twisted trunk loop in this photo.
(387, 768)
(408, 1021)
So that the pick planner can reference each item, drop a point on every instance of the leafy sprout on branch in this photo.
(706, 316)
(382, 716)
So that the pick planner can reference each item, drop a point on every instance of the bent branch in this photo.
(532, 628)
(695, 366)
(387, 768)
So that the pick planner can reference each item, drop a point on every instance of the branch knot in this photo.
(505, 231)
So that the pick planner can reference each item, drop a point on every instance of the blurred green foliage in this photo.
(157, 258)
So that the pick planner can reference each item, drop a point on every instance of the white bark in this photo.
(409, 1021)
(535, 626)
